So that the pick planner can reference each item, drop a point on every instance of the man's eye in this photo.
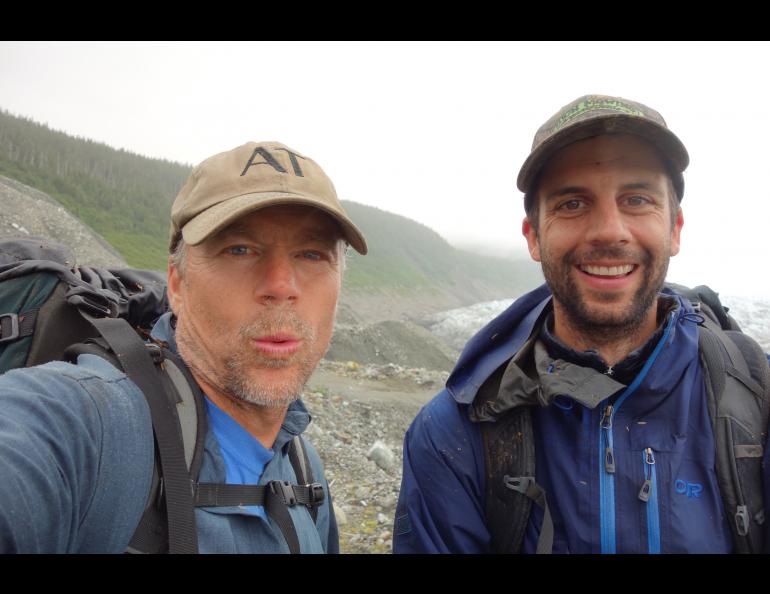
(573, 204)
(637, 200)
(238, 250)
(312, 255)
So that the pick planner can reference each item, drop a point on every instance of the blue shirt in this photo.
(244, 456)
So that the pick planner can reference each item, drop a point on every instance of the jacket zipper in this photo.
(606, 453)
(649, 494)
(607, 482)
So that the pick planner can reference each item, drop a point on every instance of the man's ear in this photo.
(174, 287)
(676, 232)
(528, 231)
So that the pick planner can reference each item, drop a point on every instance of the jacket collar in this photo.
(551, 378)
(514, 338)
(624, 371)
(496, 343)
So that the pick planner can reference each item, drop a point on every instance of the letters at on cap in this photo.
(270, 160)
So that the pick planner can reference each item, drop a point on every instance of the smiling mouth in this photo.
(608, 271)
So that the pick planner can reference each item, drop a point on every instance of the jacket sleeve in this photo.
(76, 457)
(441, 503)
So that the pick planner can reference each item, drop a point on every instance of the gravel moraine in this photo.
(360, 443)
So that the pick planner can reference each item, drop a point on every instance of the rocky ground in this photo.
(400, 342)
(360, 414)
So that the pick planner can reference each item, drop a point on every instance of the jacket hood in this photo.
(495, 343)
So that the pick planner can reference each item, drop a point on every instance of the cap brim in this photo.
(665, 141)
(216, 218)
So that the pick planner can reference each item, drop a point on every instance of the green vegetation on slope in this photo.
(123, 196)
(403, 254)
(406, 256)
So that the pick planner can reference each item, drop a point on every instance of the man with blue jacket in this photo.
(257, 249)
(596, 375)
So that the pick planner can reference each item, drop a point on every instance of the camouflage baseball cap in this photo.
(593, 115)
(255, 175)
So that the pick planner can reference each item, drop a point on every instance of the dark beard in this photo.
(599, 326)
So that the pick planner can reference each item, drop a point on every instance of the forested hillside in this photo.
(123, 196)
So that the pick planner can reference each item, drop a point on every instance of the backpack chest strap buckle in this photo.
(284, 491)
(9, 327)
(316, 493)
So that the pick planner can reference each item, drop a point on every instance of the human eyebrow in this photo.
(230, 234)
(319, 237)
(638, 186)
(653, 192)
(568, 190)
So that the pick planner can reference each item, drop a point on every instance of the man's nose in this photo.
(277, 279)
(608, 225)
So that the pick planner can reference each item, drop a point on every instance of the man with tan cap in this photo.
(600, 413)
(257, 249)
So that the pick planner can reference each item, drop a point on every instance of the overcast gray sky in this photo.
(433, 131)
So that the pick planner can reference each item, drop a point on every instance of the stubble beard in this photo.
(237, 379)
(599, 325)
(240, 384)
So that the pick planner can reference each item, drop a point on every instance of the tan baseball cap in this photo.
(593, 115)
(255, 175)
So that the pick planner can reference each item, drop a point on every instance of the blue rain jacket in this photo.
(76, 459)
(659, 431)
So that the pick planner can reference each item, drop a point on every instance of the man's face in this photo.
(605, 234)
(256, 303)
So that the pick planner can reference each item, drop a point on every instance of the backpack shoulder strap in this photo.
(302, 469)
(510, 490)
(152, 533)
(738, 390)
(144, 363)
(705, 300)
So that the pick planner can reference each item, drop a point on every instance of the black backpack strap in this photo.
(302, 469)
(528, 487)
(223, 495)
(276, 496)
(151, 535)
(279, 499)
(136, 360)
(509, 444)
(738, 390)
